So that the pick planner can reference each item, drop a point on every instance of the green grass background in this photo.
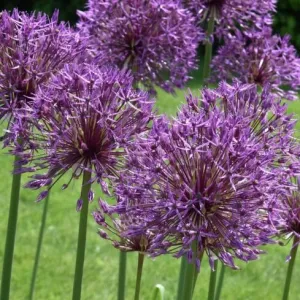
(259, 280)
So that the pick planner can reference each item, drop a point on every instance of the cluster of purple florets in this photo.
(260, 58)
(209, 177)
(33, 47)
(232, 15)
(156, 40)
(217, 179)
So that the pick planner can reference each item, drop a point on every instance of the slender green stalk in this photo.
(290, 269)
(86, 186)
(189, 281)
(220, 282)
(122, 275)
(11, 234)
(38, 248)
(191, 274)
(139, 276)
(182, 273)
(197, 273)
(212, 282)
(208, 48)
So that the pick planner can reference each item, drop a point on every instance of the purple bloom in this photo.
(206, 178)
(155, 39)
(86, 118)
(232, 15)
(32, 47)
(260, 58)
(117, 229)
(286, 213)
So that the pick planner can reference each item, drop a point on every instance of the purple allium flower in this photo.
(286, 214)
(87, 116)
(32, 47)
(206, 178)
(260, 58)
(156, 39)
(117, 229)
(232, 15)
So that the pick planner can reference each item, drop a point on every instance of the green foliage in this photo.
(287, 20)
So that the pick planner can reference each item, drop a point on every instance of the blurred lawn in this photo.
(258, 280)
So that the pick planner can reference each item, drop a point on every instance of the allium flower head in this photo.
(117, 229)
(94, 114)
(155, 39)
(286, 215)
(32, 47)
(205, 178)
(260, 58)
(232, 15)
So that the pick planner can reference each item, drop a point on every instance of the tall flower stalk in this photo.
(139, 273)
(122, 275)
(181, 278)
(86, 187)
(208, 48)
(212, 282)
(11, 234)
(39, 247)
(290, 268)
(220, 282)
(189, 274)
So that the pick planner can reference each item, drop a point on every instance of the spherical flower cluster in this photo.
(260, 58)
(232, 15)
(286, 216)
(208, 178)
(155, 39)
(86, 116)
(116, 228)
(32, 47)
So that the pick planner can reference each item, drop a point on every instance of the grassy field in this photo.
(258, 280)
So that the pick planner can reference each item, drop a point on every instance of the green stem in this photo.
(122, 275)
(11, 234)
(212, 282)
(86, 186)
(182, 273)
(220, 282)
(189, 281)
(208, 48)
(39, 247)
(191, 274)
(290, 269)
(197, 273)
(139, 276)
